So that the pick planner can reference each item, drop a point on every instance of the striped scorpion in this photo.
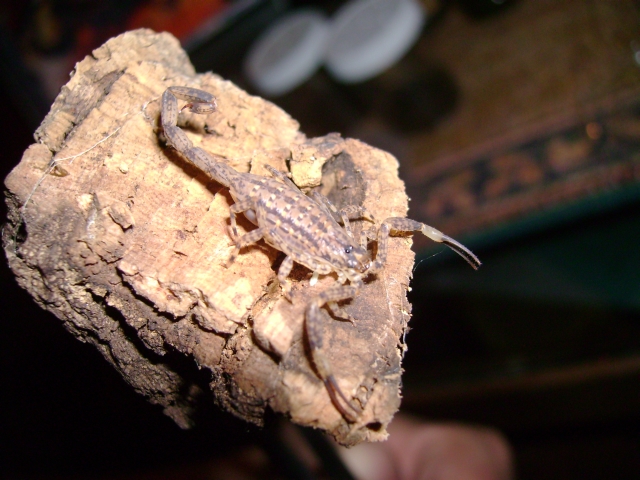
(308, 229)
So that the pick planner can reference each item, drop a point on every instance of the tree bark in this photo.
(127, 243)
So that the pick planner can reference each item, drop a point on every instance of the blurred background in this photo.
(517, 127)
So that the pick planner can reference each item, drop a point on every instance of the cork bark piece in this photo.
(127, 244)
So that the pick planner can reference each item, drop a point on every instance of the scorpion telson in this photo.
(305, 228)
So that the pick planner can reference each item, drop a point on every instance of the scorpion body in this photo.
(305, 228)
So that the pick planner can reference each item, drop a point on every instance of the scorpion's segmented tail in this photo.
(198, 102)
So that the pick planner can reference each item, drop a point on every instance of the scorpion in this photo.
(308, 229)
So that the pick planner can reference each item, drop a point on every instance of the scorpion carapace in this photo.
(307, 229)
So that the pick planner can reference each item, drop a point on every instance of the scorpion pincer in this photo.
(306, 228)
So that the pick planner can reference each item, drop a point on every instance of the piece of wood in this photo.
(127, 243)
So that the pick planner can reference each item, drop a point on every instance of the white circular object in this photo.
(288, 53)
(368, 36)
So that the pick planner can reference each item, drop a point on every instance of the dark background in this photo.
(543, 342)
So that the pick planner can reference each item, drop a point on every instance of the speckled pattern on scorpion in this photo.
(308, 229)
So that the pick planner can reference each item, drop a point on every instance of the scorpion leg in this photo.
(326, 205)
(365, 235)
(283, 273)
(247, 239)
(353, 212)
(282, 176)
(350, 212)
(399, 224)
(313, 326)
(356, 211)
(234, 209)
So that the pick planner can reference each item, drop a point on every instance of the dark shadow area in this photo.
(541, 342)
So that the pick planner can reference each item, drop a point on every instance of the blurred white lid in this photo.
(288, 53)
(368, 36)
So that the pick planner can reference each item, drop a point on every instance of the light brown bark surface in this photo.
(127, 244)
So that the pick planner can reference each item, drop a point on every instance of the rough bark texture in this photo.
(126, 243)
